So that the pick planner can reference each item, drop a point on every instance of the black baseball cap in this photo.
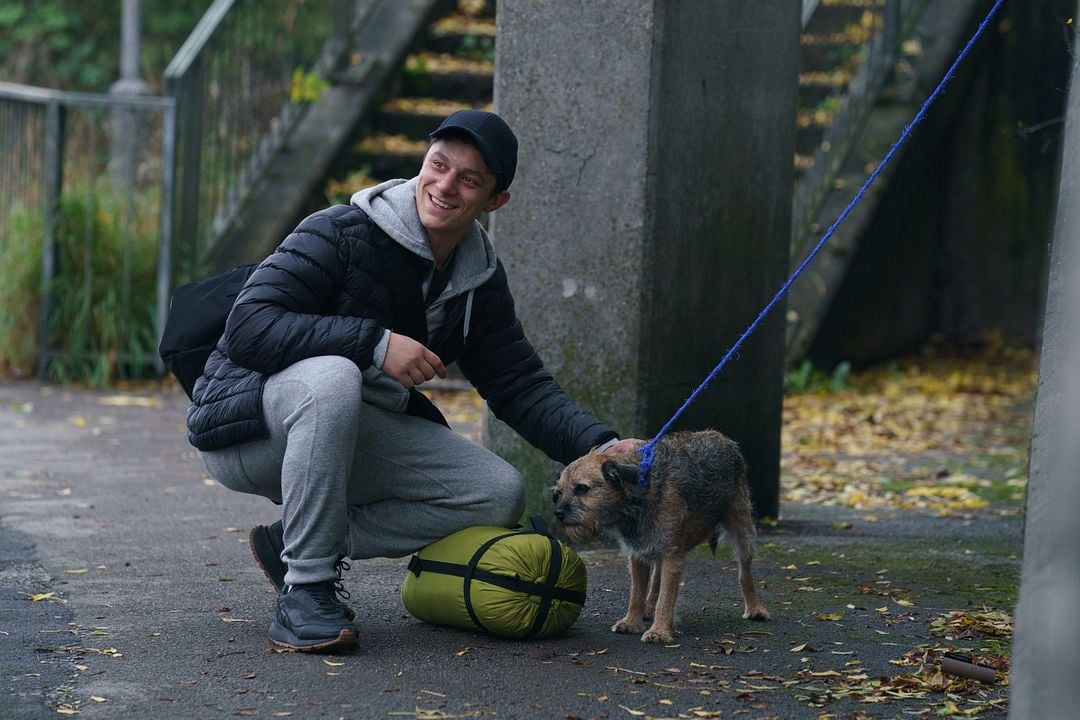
(494, 138)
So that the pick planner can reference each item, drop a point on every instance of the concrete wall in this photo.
(1046, 648)
(651, 211)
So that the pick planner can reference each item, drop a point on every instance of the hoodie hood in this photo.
(392, 206)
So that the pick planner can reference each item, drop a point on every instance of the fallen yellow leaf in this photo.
(130, 400)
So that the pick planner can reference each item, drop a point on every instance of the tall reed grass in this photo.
(101, 318)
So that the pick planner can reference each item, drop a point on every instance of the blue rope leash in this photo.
(648, 450)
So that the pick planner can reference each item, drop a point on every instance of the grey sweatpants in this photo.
(357, 480)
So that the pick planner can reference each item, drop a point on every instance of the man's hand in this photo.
(626, 445)
(409, 362)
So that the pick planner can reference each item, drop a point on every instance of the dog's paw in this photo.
(756, 613)
(657, 635)
(627, 625)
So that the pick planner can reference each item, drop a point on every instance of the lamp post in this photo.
(125, 131)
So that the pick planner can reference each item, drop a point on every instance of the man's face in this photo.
(454, 188)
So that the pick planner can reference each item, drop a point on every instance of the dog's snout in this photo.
(560, 512)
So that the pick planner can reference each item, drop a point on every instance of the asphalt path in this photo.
(127, 590)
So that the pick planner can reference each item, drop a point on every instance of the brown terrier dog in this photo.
(697, 490)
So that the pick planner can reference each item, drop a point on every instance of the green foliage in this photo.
(75, 44)
(306, 87)
(806, 379)
(20, 290)
(61, 40)
(100, 325)
(478, 47)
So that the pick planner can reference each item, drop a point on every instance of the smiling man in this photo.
(310, 398)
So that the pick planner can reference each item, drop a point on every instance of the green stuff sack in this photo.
(519, 584)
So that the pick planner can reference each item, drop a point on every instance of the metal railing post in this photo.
(54, 182)
(189, 138)
(165, 247)
(891, 31)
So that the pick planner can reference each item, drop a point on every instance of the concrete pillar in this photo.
(1046, 647)
(651, 213)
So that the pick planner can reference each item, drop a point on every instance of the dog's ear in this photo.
(620, 475)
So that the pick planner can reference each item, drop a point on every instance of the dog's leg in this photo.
(663, 627)
(739, 527)
(635, 613)
(654, 589)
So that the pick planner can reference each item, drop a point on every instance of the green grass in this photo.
(101, 320)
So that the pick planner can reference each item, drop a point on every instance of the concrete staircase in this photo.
(452, 68)
(449, 64)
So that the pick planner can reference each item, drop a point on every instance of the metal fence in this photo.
(241, 81)
(85, 196)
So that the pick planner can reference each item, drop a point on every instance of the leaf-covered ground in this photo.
(869, 611)
(945, 433)
(869, 590)
(941, 432)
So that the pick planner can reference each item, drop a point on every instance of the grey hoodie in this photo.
(392, 207)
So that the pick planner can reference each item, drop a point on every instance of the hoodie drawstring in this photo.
(468, 313)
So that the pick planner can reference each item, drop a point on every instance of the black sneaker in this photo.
(309, 618)
(267, 543)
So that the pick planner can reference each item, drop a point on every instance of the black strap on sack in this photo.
(548, 591)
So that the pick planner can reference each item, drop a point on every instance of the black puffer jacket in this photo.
(331, 288)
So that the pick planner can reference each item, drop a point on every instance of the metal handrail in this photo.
(234, 105)
(56, 104)
(193, 46)
(42, 96)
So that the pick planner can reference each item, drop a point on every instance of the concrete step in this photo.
(837, 36)
(390, 156)
(463, 35)
(812, 97)
(446, 76)
(834, 15)
(808, 138)
(418, 117)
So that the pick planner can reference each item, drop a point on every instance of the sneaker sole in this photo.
(346, 640)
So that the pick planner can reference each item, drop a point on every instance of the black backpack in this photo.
(197, 315)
